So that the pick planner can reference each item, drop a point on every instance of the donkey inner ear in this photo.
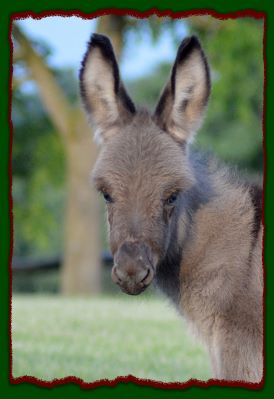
(103, 94)
(182, 103)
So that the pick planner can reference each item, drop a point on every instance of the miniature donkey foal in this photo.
(175, 217)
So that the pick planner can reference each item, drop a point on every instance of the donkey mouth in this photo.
(133, 291)
(129, 285)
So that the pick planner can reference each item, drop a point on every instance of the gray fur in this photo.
(177, 218)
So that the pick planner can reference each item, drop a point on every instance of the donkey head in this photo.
(143, 170)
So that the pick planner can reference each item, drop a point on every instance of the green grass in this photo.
(95, 338)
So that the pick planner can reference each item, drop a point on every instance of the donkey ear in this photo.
(103, 94)
(182, 103)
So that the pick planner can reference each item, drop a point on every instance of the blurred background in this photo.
(60, 239)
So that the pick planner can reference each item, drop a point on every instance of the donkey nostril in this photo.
(146, 276)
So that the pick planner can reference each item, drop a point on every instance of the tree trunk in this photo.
(81, 270)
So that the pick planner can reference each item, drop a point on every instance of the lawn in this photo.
(105, 337)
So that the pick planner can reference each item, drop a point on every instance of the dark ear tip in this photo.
(97, 40)
(194, 41)
(104, 44)
(187, 46)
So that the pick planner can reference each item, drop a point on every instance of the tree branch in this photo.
(53, 98)
(18, 82)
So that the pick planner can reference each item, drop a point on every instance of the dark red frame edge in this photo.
(131, 378)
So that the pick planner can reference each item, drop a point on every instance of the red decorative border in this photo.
(131, 378)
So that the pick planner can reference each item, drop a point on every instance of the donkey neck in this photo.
(208, 213)
(169, 269)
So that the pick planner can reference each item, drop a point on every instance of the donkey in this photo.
(175, 217)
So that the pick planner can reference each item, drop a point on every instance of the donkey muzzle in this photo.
(133, 268)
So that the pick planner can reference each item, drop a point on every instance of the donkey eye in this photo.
(172, 199)
(107, 197)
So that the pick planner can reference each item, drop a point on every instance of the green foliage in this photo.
(68, 81)
(145, 91)
(38, 179)
(103, 338)
(233, 126)
(153, 26)
(30, 123)
(38, 167)
(38, 202)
